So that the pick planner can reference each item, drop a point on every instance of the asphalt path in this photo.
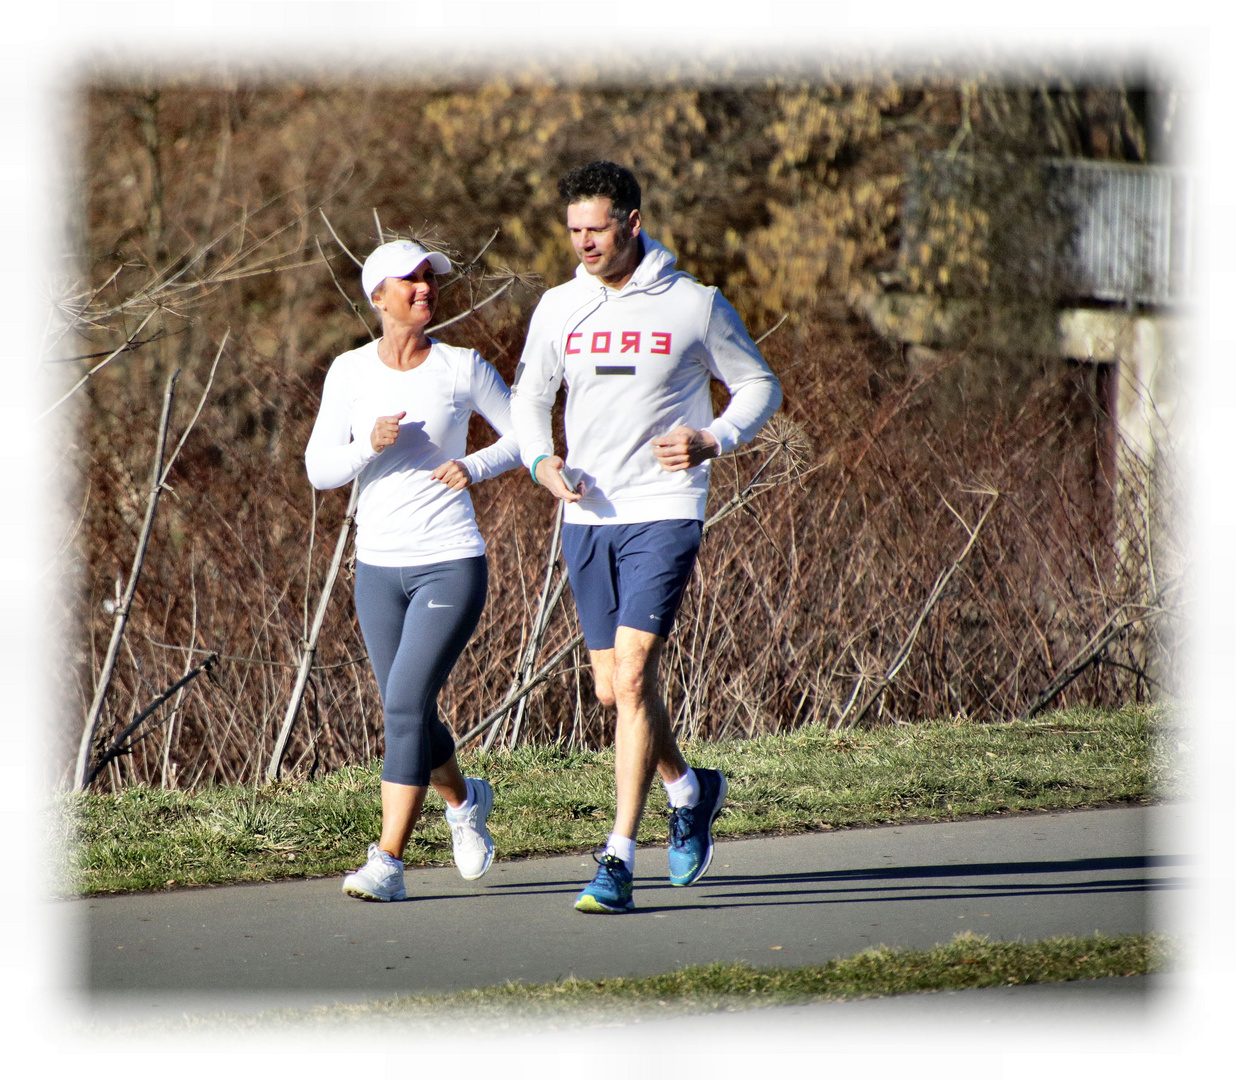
(772, 902)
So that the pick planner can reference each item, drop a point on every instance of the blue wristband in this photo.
(535, 463)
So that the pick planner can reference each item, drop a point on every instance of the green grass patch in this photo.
(551, 800)
(968, 962)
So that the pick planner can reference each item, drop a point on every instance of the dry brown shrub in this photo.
(204, 204)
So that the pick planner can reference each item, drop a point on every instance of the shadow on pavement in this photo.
(832, 886)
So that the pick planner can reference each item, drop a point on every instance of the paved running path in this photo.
(785, 901)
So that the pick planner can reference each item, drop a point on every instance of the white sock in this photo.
(622, 847)
(685, 791)
(456, 812)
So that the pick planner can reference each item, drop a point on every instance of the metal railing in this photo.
(1128, 228)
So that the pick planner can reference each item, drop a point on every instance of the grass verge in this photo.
(551, 800)
(968, 962)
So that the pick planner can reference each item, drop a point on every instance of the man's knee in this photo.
(628, 687)
(634, 678)
(604, 690)
(602, 661)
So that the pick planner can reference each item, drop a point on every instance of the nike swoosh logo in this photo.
(433, 605)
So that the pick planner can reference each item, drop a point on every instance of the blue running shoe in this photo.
(690, 849)
(610, 891)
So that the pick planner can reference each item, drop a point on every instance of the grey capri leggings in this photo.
(416, 621)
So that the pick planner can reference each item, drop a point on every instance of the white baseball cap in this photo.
(398, 259)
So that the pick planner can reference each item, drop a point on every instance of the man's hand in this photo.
(386, 431)
(684, 448)
(549, 476)
(453, 474)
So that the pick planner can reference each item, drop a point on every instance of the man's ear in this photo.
(634, 223)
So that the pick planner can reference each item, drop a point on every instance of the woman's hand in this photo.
(453, 475)
(386, 431)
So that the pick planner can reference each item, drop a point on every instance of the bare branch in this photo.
(342, 245)
(1090, 653)
(485, 247)
(311, 645)
(352, 306)
(253, 660)
(903, 654)
(210, 381)
(126, 602)
(772, 328)
(169, 735)
(156, 336)
(475, 307)
(545, 609)
(118, 746)
(514, 696)
(127, 346)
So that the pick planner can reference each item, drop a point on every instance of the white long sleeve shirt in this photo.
(638, 362)
(403, 517)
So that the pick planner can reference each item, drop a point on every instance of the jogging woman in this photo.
(395, 413)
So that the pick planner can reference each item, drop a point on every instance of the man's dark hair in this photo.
(602, 180)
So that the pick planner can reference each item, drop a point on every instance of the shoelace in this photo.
(605, 861)
(680, 823)
(382, 858)
(468, 820)
(465, 831)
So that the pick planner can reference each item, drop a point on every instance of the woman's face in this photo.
(409, 301)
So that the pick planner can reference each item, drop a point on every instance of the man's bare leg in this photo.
(627, 677)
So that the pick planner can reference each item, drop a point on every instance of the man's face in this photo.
(607, 248)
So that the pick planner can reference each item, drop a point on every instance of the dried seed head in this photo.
(795, 450)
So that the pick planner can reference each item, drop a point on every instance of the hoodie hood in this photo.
(654, 269)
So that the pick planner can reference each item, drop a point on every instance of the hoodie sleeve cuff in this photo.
(725, 433)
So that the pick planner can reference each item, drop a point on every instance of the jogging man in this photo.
(637, 343)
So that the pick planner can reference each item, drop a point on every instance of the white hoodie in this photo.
(638, 362)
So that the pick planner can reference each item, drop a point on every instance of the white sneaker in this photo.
(474, 847)
(381, 878)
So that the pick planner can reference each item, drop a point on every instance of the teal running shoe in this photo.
(610, 890)
(690, 849)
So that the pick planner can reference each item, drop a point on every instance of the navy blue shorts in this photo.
(629, 575)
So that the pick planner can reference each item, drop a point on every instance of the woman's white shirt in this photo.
(403, 517)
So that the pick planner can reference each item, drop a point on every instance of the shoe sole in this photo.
(716, 809)
(489, 856)
(590, 905)
(361, 894)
